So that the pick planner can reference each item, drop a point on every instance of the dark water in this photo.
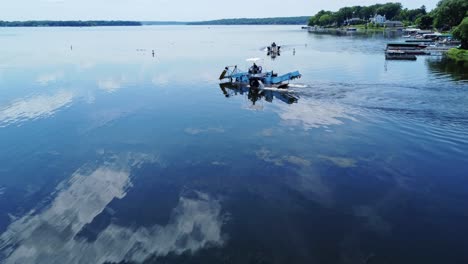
(111, 155)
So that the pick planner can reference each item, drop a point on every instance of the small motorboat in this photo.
(273, 48)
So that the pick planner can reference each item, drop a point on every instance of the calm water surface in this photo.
(111, 155)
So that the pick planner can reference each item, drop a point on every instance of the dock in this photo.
(410, 49)
(419, 41)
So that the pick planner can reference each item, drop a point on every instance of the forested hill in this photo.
(162, 23)
(303, 20)
(48, 23)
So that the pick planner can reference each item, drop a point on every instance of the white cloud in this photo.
(49, 235)
(41, 106)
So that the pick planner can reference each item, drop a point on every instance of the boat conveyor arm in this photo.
(286, 77)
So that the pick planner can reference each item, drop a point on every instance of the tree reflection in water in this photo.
(458, 70)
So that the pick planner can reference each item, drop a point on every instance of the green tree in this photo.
(424, 22)
(325, 20)
(367, 12)
(390, 10)
(461, 33)
(411, 15)
(342, 14)
(370, 11)
(450, 13)
(315, 20)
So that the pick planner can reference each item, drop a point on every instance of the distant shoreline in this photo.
(303, 20)
(50, 23)
(114, 23)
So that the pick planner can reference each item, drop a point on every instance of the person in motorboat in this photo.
(274, 50)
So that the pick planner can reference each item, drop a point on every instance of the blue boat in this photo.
(255, 77)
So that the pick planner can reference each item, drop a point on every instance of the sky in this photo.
(175, 10)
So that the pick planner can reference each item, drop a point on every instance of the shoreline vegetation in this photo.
(303, 20)
(459, 55)
(50, 23)
(444, 17)
(371, 16)
(449, 16)
(361, 28)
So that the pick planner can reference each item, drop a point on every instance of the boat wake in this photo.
(299, 86)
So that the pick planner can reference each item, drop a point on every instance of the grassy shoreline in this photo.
(458, 54)
(369, 28)
(359, 28)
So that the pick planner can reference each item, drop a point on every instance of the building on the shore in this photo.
(315, 29)
(354, 21)
(393, 24)
(378, 19)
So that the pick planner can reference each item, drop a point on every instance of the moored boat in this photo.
(406, 46)
(399, 55)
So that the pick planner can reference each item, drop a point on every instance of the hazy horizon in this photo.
(166, 10)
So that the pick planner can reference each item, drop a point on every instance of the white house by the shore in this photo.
(378, 19)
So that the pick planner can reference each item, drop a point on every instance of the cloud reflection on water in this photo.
(36, 107)
(50, 235)
(340, 161)
(314, 113)
(111, 85)
(46, 79)
(374, 221)
(305, 179)
(197, 131)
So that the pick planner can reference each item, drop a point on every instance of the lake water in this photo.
(111, 155)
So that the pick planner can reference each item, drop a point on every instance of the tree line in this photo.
(236, 21)
(256, 21)
(447, 14)
(329, 18)
(49, 23)
(392, 11)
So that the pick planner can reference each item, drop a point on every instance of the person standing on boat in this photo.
(255, 69)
